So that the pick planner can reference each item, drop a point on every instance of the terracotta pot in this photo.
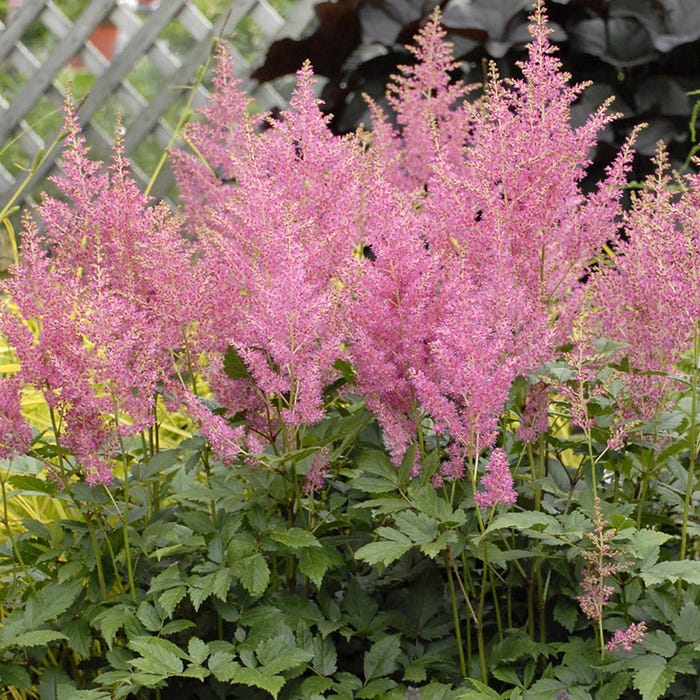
(104, 39)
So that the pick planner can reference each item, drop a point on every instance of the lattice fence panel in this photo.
(145, 75)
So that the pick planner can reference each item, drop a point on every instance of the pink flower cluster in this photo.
(497, 482)
(627, 638)
(648, 296)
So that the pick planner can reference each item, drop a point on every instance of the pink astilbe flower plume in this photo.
(627, 638)
(497, 482)
(648, 296)
(274, 244)
(104, 313)
(481, 234)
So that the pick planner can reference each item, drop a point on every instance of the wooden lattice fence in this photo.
(147, 79)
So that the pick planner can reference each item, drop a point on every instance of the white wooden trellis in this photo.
(144, 118)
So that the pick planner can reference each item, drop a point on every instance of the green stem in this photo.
(110, 549)
(455, 615)
(125, 516)
(98, 556)
(480, 618)
(15, 548)
(59, 450)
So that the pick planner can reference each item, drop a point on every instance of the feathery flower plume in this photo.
(627, 638)
(100, 305)
(497, 482)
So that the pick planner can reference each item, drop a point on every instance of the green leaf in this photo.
(169, 599)
(222, 665)
(687, 624)
(216, 584)
(51, 601)
(377, 688)
(381, 658)
(565, 614)
(325, 658)
(384, 551)
(234, 366)
(688, 571)
(32, 485)
(79, 636)
(159, 655)
(148, 617)
(614, 686)
(418, 527)
(295, 538)
(645, 544)
(426, 500)
(255, 678)
(652, 676)
(480, 692)
(175, 626)
(14, 676)
(315, 562)
(520, 521)
(254, 573)
(198, 650)
(36, 638)
(111, 620)
(660, 643)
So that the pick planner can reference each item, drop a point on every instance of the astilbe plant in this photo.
(653, 279)
(275, 246)
(92, 320)
(484, 275)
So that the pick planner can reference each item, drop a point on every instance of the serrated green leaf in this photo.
(315, 686)
(195, 672)
(325, 658)
(425, 499)
(434, 549)
(79, 636)
(216, 584)
(520, 521)
(255, 678)
(660, 643)
(111, 620)
(166, 656)
(197, 650)
(418, 527)
(614, 686)
(148, 617)
(295, 538)
(14, 676)
(175, 626)
(688, 571)
(383, 552)
(32, 485)
(51, 601)
(652, 676)
(36, 638)
(169, 599)
(565, 614)
(479, 692)
(645, 545)
(381, 658)
(376, 688)
(687, 623)
(221, 664)
(254, 573)
(315, 562)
